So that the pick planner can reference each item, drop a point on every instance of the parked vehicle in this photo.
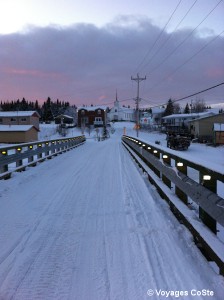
(178, 141)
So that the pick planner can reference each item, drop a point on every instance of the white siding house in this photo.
(118, 113)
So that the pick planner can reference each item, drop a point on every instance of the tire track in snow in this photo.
(99, 235)
(43, 240)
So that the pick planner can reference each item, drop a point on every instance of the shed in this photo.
(218, 130)
(18, 134)
(20, 118)
(65, 119)
(202, 128)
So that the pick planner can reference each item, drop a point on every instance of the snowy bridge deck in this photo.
(85, 225)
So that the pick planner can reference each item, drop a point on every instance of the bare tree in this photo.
(198, 105)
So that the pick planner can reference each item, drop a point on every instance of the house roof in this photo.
(16, 128)
(63, 116)
(157, 110)
(218, 127)
(122, 109)
(18, 113)
(211, 115)
(189, 116)
(92, 108)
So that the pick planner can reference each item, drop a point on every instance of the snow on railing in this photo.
(18, 157)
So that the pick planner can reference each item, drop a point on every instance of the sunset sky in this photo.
(83, 51)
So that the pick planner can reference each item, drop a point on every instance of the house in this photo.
(18, 134)
(202, 128)
(20, 118)
(157, 114)
(180, 122)
(92, 116)
(218, 133)
(121, 113)
(153, 119)
(64, 119)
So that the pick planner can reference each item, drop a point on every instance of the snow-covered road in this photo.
(86, 226)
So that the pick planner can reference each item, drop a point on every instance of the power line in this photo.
(169, 36)
(210, 88)
(186, 61)
(150, 50)
(186, 38)
(192, 95)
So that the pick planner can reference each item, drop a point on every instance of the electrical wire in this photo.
(186, 61)
(170, 35)
(186, 38)
(189, 96)
(155, 42)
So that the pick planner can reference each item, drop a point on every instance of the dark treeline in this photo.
(48, 110)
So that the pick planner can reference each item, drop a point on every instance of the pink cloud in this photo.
(35, 73)
(215, 72)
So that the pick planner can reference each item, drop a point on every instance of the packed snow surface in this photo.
(85, 225)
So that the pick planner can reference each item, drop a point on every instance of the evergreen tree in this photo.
(169, 108)
(187, 109)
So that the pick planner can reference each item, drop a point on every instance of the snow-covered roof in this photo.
(63, 116)
(218, 127)
(92, 108)
(18, 113)
(189, 116)
(7, 128)
(157, 110)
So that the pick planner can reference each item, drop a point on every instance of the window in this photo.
(1, 121)
(99, 112)
(98, 119)
(82, 112)
(23, 119)
(13, 120)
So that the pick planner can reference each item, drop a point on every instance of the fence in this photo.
(201, 192)
(18, 157)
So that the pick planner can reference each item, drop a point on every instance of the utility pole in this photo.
(138, 80)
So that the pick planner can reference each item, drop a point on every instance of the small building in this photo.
(92, 116)
(20, 118)
(121, 113)
(64, 119)
(18, 134)
(218, 133)
(157, 114)
(152, 119)
(180, 122)
(203, 128)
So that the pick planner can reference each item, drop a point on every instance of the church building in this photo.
(121, 113)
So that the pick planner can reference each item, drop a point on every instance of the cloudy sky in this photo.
(83, 51)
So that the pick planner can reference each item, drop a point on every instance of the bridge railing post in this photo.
(167, 161)
(4, 167)
(210, 183)
(183, 169)
(19, 161)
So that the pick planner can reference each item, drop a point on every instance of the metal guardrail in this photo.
(18, 157)
(204, 193)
